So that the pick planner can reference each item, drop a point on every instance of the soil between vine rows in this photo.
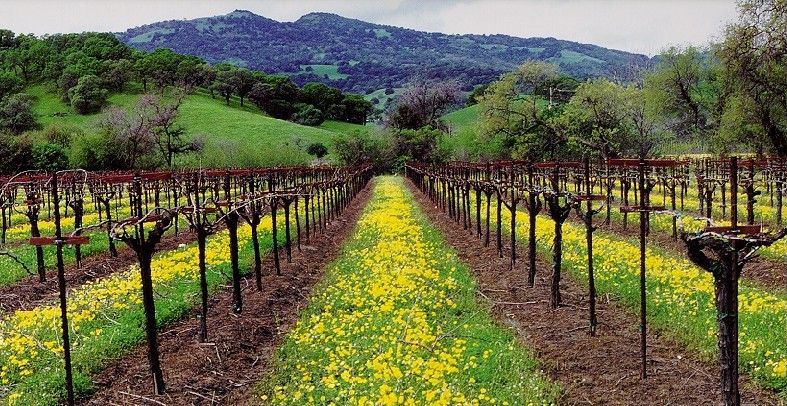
(28, 292)
(241, 347)
(600, 370)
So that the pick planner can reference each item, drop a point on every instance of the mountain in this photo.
(362, 57)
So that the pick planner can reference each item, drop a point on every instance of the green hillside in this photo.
(462, 118)
(234, 135)
(462, 139)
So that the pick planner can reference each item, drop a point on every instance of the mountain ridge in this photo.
(359, 56)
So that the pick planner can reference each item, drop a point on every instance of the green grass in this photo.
(464, 117)
(332, 71)
(383, 98)
(342, 127)
(234, 135)
(397, 316)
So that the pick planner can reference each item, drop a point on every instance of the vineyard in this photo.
(227, 209)
(134, 251)
(503, 282)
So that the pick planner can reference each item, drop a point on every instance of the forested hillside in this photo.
(362, 57)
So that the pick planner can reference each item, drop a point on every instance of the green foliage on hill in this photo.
(233, 135)
(362, 57)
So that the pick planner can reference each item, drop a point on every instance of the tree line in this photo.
(726, 98)
(86, 68)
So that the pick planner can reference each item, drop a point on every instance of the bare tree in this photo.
(152, 125)
(422, 104)
(164, 128)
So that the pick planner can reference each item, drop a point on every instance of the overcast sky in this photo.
(644, 26)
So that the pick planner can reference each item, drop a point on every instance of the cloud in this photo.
(632, 25)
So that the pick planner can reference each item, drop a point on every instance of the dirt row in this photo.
(600, 370)
(225, 370)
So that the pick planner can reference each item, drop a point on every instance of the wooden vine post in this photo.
(33, 201)
(732, 248)
(58, 241)
(232, 221)
(274, 226)
(645, 186)
(253, 215)
(196, 214)
(511, 204)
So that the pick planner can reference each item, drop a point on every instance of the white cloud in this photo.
(632, 25)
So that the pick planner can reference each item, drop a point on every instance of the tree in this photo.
(422, 104)
(355, 108)
(362, 148)
(306, 114)
(512, 112)
(10, 83)
(87, 96)
(276, 95)
(420, 145)
(116, 73)
(161, 65)
(686, 89)
(161, 120)
(599, 111)
(754, 54)
(645, 133)
(244, 81)
(475, 94)
(317, 149)
(321, 96)
(225, 83)
(16, 114)
(67, 80)
(192, 72)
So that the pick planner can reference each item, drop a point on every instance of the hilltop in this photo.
(363, 57)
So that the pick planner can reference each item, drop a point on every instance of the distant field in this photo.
(346, 128)
(383, 98)
(322, 70)
(235, 136)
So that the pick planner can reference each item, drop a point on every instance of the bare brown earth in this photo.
(241, 347)
(600, 370)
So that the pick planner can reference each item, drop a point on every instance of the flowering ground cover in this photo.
(106, 318)
(396, 322)
(680, 296)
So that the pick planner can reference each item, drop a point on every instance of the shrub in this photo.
(49, 157)
(16, 114)
(306, 114)
(62, 133)
(87, 96)
(317, 149)
(16, 153)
